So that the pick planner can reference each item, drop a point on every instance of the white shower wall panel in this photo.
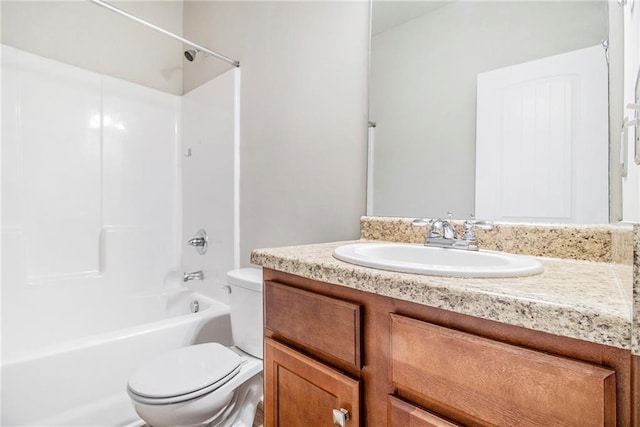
(208, 179)
(11, 208)
(140, 204)
(140, 134)
(90, 197)
(60, 166)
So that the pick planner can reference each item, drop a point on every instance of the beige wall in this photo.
(83, 34)
(303, 113)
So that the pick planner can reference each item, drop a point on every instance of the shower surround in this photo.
(92, 222)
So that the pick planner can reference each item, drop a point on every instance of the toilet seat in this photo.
(184, 374)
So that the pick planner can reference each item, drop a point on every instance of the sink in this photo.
(433, 261)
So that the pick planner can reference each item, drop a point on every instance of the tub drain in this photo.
(195, 306)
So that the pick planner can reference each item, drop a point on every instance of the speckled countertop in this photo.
(574, 298)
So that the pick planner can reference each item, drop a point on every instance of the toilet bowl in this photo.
(208, 384)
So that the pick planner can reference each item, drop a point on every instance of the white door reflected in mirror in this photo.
(542, 140)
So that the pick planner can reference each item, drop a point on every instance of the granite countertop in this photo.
(578, 299)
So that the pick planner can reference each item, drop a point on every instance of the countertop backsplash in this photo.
(600, 242)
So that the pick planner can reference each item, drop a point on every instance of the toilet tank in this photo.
(245, 305)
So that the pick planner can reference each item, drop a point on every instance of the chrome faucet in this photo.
(441, 233)
(195, 275)
(441, 229)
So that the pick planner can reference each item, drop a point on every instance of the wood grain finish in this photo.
(635, 391)
(403, 414)
(325, 325)
(616, 359)
(492, 383)
(375, 373)
(375, 352)
(302, 392)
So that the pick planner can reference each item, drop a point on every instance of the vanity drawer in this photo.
(403, 414)
(480, 381)
(328, 327)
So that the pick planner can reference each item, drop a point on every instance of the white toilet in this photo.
(208, 384)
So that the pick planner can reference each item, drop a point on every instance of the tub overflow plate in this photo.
(195, 306)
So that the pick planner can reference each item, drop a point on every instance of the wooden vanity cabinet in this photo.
(408, 365)
(304, 392)
(635, 391)
(316, 336)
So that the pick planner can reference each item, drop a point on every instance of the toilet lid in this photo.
(184, 371)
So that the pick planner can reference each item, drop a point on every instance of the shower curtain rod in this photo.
(168, 33)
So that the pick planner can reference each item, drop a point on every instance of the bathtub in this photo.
(82, 382)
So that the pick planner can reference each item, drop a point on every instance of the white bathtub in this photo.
(82, 382)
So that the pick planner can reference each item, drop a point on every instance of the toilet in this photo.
(208, 384)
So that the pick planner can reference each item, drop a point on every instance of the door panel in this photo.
(542, 140)
(302, 392)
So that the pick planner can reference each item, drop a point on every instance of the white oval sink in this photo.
(420, 259)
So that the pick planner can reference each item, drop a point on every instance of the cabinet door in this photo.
(403, 414)
(485, 382)
(302, 392)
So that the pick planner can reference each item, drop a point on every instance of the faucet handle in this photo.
(468, 233)
(484, 225)
(200, 242)
(473, 222)
(420, 221)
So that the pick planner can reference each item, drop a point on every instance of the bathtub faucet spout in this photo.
(195, 275)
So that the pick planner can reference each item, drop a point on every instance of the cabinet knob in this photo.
(340, 417)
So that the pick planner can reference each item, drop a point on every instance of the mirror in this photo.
(425, 58)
